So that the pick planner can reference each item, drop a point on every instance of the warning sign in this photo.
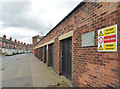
(101, 40)
(100, 48)
(110, 46)
(111, 38)
(100, 34)
(107, 39)
(110, 30)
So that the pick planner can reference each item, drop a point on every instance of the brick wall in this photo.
(34, 41)
(43, 54)
(93, 68)
(89, 67)
(65, 27)
(119, 42)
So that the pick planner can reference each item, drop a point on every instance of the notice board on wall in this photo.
(88, 39)
(107, 39)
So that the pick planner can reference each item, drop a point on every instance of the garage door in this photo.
(51, 54)
(45, 54)
(41, 53)
(67, 58)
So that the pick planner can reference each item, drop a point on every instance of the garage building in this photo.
(71, 47)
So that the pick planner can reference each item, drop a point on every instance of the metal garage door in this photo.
(51, 54)
(42, 54)
(45, 54)
(67, 57)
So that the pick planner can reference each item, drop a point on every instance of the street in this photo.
(25, 70)
(60, 43)
(16, 71)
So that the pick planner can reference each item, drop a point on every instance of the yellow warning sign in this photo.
(100, 34)
(107, 39)
(100, 48)
(110, 31)
(110, 46)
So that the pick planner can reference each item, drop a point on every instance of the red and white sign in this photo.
(101, 40)
(109, 39)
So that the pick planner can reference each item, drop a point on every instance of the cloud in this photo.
(32, 17)
(17, 14)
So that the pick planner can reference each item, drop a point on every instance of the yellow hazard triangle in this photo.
(101, 34)
(100, 48)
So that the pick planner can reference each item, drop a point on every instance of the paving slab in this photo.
(44, 76)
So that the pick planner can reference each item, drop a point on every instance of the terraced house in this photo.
(81, 46)
(7, 45)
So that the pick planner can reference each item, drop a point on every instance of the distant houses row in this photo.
(8, 45)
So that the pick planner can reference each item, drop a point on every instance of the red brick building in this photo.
(35, 39)
(8, 45)
(63, 49)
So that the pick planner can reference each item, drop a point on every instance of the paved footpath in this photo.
(43, 75)
(26, 70)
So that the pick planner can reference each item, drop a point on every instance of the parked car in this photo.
(18, 52)
(14, 53)
(21, 52)
(8, 54)
(26, 51)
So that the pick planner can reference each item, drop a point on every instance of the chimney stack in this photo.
(10, 38)
(18, 42)
(15, 41)
(4, 37)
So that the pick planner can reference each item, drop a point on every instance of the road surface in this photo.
(16, 71)
(25, 70)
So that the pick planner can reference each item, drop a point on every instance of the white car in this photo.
(8, 54)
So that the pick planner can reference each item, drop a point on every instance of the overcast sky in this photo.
(24, 19)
